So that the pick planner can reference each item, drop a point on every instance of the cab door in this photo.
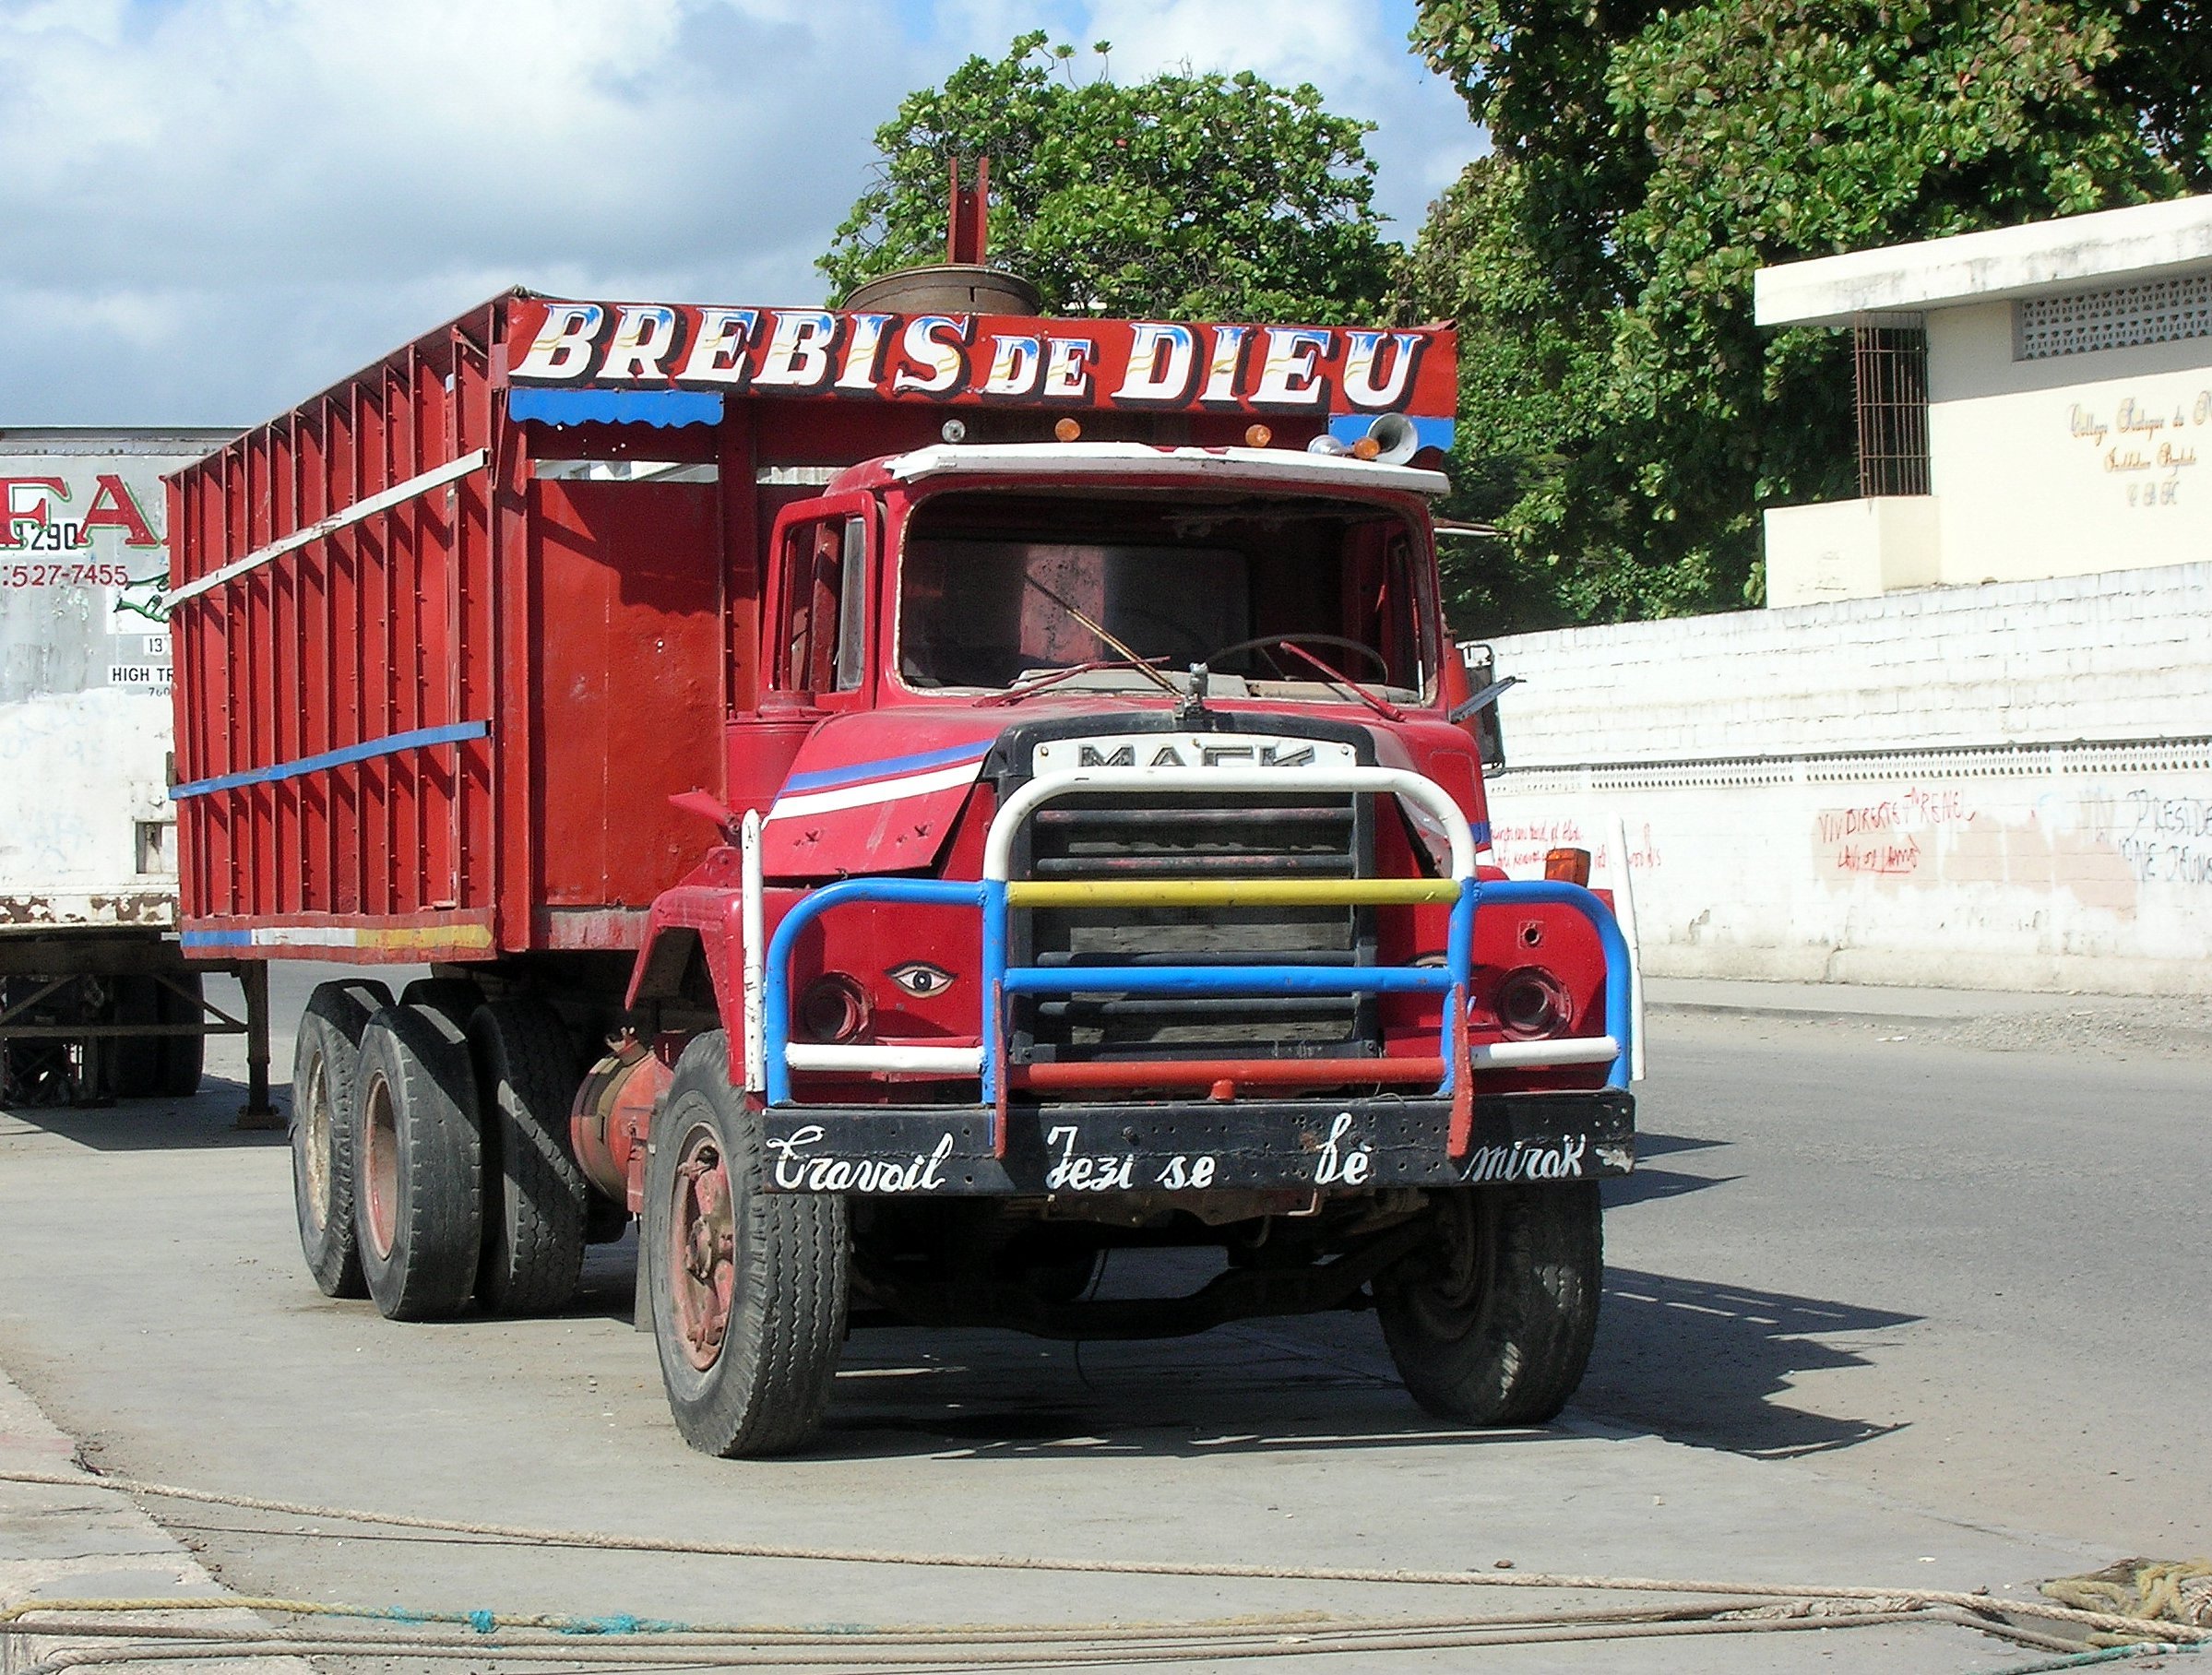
(819, 624)
(817, 633)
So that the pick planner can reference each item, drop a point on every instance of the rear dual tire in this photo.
(325, 1070)
(536, 1202)
(156, 1066)
(418, 1200)
(183, 1057)
(465, 1101)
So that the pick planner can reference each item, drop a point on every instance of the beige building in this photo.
(2033, 402)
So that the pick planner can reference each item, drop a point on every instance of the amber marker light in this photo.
(1067, 430)
(1258, 437)
(1367, 448)
(1567, 866)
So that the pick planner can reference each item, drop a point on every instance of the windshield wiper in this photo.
(1053, 677)
(1389, 712)
(1142, 665)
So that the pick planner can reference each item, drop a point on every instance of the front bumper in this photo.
(1196, 1146)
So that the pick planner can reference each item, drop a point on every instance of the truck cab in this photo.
(1116, 889)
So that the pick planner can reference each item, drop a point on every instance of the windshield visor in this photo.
(1287, 596)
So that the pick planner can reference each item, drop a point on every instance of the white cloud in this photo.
(216, 206)
(1355, 51)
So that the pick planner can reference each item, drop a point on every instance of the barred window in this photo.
(2158, 311)
(1889, 367)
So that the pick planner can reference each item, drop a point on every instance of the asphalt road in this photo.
(1879, 1313)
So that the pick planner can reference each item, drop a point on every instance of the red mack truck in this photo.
(903, 800)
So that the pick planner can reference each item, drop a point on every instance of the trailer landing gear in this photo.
(748, 1288)
(256, 1112)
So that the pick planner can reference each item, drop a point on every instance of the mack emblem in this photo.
(1210, 756)
(1191, 750)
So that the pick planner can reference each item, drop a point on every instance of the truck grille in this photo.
(1286, 836)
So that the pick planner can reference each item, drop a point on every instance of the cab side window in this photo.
(823, 644)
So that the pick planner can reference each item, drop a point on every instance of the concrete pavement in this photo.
(1800, 1377)
(85, 1542)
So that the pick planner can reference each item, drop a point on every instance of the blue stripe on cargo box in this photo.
(390, 746)
(665, 407)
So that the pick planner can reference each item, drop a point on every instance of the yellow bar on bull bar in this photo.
(1229, 892)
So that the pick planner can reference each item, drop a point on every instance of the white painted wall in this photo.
(2069, 465)
(1851, 549)
(2007, 786)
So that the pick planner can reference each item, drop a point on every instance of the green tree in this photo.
(1186, 196)
(1621, 418)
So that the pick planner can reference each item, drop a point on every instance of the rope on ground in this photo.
(589, 1643)
(2093, 1619)
(624, 1627)
(2119, 1654)
(831, 1651)
(2174, 1592)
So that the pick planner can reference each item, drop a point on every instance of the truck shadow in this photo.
(1689, 1360)
(1700, 1362)
(1649, 1183)
(208, 1119)
(1680, 1359)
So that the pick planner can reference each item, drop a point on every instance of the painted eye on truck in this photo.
(920, 978)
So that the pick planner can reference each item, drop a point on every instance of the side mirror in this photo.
(1482, 708)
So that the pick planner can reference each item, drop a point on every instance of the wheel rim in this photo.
(702, 1245)
(1457, 1276)
(380, 1164)
(315, 1123)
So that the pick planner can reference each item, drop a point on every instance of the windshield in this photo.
(1283, 597)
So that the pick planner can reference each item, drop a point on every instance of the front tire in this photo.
(326, 1064)
(1490, 1322)
(419, 1165)
(748, 1288)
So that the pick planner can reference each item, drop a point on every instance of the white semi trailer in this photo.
(96, 1000)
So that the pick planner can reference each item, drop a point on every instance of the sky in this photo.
(215, 207)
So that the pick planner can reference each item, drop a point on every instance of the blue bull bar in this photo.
(994, 897)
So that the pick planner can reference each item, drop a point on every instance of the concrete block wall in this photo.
(2003, 786)
(2123, 655)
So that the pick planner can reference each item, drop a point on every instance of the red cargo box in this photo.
(376, 728)
(448, 636)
